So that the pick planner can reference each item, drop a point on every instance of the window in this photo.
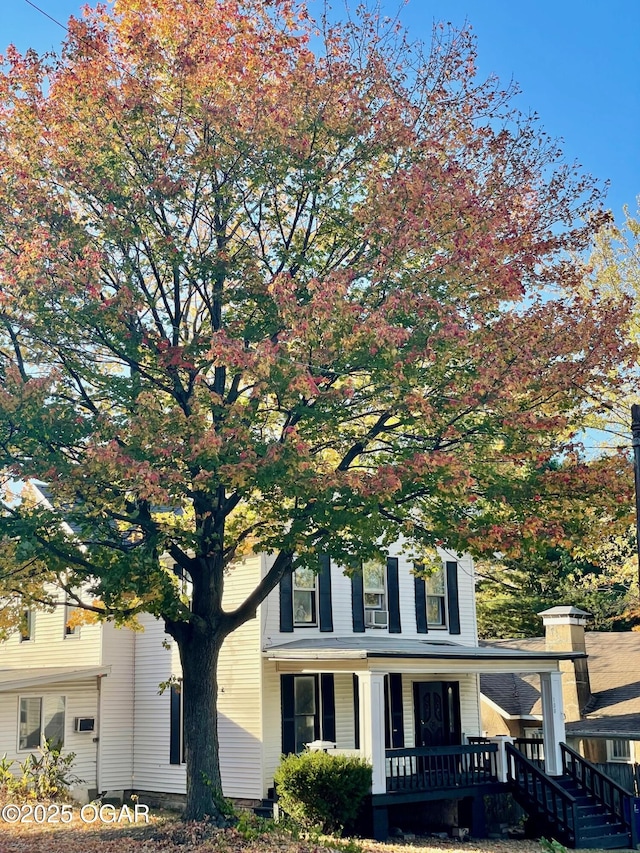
(304, 597)
(431, 597)
(70, 629)
(619, 750)
(26, 626)
(41, 719)
(375, 594)
(308, 710)
(435, 589)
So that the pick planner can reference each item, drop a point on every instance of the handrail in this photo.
(457, 749)
(549, 780)
(602, 787)
(579, 759)
(426, 768)
(557, 805)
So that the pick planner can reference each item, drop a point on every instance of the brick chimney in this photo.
(564, 632)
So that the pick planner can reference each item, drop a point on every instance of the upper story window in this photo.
(70, 629)
(305, 584)
(437, 596)
(374, 577)
(436, 591)
(41, 719)
(26, 626)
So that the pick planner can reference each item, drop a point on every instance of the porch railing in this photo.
(609, 794)
(542, 795)
(531, 748)
(430, 767)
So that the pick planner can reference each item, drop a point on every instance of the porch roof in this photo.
(17, 679)
(364, 652)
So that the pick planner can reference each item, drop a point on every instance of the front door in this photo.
(437, 713)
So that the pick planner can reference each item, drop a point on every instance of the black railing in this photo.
(613, 797)
(429, 767)
(540, 793)
(625, 775)
(531, 748)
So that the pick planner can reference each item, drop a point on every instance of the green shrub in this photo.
(317, 789)
(46, 776)
(552, 846)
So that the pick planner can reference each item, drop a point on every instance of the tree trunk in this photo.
(199, 653)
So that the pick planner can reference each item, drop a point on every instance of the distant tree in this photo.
(592, 565)
(511, 593)
(613, 272)
(260, 298)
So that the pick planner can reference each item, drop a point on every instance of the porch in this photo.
(409, 707)
(431, 770)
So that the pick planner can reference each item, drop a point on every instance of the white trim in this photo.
(42, 696)
(503, 713)
(629, 759)
(53, 675)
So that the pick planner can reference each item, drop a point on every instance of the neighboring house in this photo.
(601, 692)
(383, 663)
(73, 686)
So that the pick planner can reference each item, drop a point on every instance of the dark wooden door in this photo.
(437, 713)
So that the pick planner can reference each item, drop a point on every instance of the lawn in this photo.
(164, 834)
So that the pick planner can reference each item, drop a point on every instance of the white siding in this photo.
(116, 710)
(345, 719)
(240, 692)
(50, 647)
(153, 665)
(341, 605)
(239, 703)
(81, 700)
(271, 722)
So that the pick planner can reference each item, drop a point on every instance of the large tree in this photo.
(276, 286)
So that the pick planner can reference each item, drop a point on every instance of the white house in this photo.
(383, 663)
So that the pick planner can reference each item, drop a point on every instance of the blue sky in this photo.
(576, 61)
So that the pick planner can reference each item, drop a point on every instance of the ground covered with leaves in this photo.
(166, 835)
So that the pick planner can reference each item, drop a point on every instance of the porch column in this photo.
(501, 756)
(371, 703)
(553, 731)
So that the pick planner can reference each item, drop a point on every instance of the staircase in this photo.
(266, 809)
(582, 808)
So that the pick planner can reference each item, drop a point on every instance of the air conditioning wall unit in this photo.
(85, 724)
(376, 618)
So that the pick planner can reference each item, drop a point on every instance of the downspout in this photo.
(96, 738)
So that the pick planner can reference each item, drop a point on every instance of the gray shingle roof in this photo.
(614, 673)
(365, 646)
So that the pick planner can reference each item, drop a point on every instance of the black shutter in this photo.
(452, 597)
(421, 605)
(387, 714)
(324, 594)
(393, 593)
(397, 715)
(357, 602)
(286, 603)
(175, 725)
(287, 697)
(356, 712)
(328, 698)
